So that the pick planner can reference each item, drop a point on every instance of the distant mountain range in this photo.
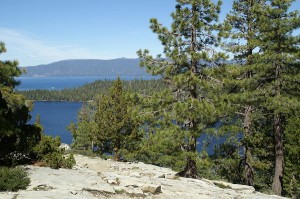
(88, 67)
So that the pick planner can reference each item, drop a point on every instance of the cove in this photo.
(55, 117)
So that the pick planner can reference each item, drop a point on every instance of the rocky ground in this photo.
(94, 178)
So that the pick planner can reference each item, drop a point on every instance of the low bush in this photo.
(69, 162)
(13, 179)
(49, 153)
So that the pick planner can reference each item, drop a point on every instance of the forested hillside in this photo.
(90, 91)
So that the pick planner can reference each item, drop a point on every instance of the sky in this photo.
(40, 32)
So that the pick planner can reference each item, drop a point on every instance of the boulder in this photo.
(65, 147)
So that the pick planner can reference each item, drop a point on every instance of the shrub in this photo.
(13, 179)
(46, 146)
(69, 162)
(53, 160)
(51, 155)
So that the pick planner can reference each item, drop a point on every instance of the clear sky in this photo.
(40, 32)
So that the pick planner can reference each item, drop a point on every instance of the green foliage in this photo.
(191, 106)
(90, 91)
(49, 153)
(206, 167)
(13, 179)
(292, 162)
(240, 89)
(255, 100)
(222, 186)
(17, 138)
(260, 87)
(69, 162)
(162, 148)
(20, 142)
(109, 122)
(47, 145)
(278, 71)
(116, 126)
(84, 131)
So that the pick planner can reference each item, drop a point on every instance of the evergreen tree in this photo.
(116, 128)
(85, 130)
(15, 135)
(278, 74)
(189, 47)
(242, 30)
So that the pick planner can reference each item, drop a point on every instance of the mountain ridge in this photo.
(88, 67)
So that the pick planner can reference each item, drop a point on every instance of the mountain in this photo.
(88, 67)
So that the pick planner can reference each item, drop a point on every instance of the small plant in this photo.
(119, 191)
(222, 186)
(69, 162)
(53, 160)
(13, 179)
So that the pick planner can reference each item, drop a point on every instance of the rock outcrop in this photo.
(93, 178)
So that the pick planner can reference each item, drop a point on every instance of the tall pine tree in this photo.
(278, 74)
(241, 31)
(189, 47)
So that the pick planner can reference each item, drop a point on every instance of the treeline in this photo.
(254, 104)
(89, 91)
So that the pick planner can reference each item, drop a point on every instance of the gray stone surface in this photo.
(94, 178)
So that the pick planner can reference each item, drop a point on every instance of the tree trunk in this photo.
(116, 154)
(190, 170)
(248, 169)
(278, 143)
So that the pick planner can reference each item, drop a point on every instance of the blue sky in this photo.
(41, 32)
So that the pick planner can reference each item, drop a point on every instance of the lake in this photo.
(56, 116)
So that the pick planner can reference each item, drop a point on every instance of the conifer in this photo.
(278, 74)
(241, 31)
(190, 49)
(115, 126)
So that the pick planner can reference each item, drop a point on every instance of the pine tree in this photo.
(116, 128)
(16, 136)
(278, 74)
(189, 47)
(241, 28)
(84, 130)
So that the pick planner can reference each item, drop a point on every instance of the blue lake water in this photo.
(55, 117)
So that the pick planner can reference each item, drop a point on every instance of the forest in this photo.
(89, 92)
(252, 102)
